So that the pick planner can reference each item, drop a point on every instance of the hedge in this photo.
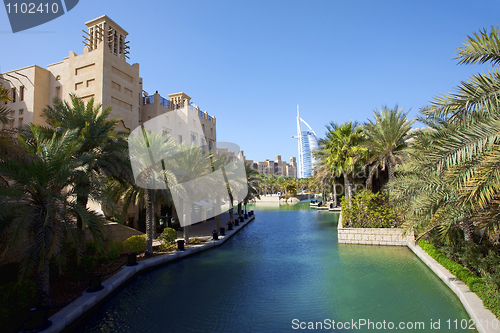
(474, 282)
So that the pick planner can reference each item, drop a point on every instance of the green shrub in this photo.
(197, 240)
(368, 210)
(136, 243)
(167, 247)
(80, 271)
(168, 236)
(16, 298)
(114, 251)
(486, 290)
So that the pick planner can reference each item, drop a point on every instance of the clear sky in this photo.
(250, 62)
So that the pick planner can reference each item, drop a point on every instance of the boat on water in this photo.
(315, 203)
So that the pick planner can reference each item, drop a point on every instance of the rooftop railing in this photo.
(166, 103)
(149, 99)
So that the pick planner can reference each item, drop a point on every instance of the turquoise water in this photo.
(283, 270)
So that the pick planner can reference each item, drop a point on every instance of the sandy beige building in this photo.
(277, 167)
(101, 72)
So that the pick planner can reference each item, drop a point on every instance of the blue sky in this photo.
(250, 62)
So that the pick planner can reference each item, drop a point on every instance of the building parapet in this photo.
(150, 99)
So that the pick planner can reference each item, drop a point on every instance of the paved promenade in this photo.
(203, 229)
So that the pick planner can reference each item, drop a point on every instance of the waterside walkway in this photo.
(87, 301)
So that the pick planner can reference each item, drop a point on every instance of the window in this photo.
(20, 122)
(21, 93)
(58, 92)
(13, 95)
(203, 127)
(201, 143)
(21, 111)
(211, 131)
(180, 139)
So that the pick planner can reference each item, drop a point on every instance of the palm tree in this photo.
(344, 151)
(39, 207)
(6, 135)
(145, 151)
(253, 184)
(386, 140)
(462, 149)
(190, 163)
(428, 197)
(104, 149)
(4, 111)
(323, 173)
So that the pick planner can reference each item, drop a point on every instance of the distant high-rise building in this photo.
(308, 142)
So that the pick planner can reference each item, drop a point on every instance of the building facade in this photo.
(103, 73)
(277, 167)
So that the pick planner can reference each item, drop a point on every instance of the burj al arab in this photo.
(308, 142)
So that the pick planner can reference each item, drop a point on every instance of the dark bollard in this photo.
(236, 222)
(180, 245)
(229, 226)
(222, 231)
(37, 321)
(242, 219)
(246, 215)
(95, 283)
(215, 235)
(132, 259)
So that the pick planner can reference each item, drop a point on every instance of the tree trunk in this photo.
(136, 216)
(42, 280)
(82, 200)
(369, 181)
(348, 188)
(240, 211)
(149, 221)
(348, 194)
(185, 234)
(231, 216)
(335, 194)
(390, 170)
(187, 222)
(218, 219)
(468, 229)
(156, 218)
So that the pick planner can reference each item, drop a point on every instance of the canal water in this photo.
(283, 272)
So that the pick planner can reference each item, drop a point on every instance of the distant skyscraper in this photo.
(308, 141)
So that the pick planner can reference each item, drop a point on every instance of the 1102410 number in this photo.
(31, 8)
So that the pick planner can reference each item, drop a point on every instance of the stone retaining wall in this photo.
(117, 231)
(372, 236)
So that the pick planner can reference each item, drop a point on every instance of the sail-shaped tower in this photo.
(308, 142)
